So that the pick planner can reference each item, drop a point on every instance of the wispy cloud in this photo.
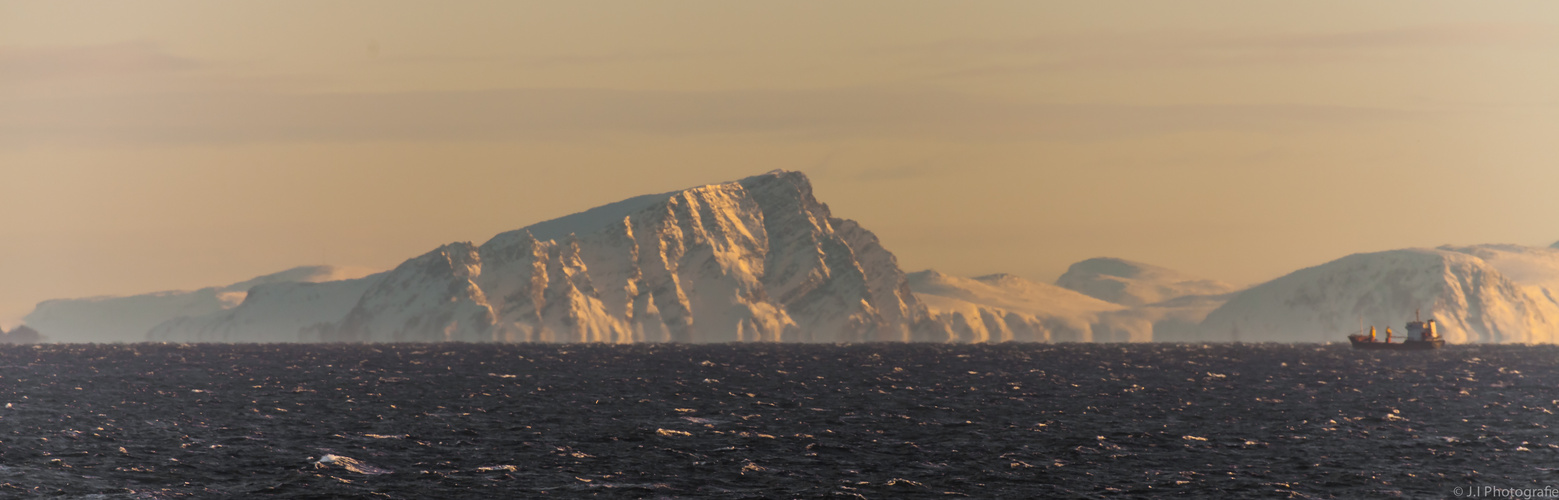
(90, 61)
(1418, 36)
(1469, 35)
(574, 113)
(555, 61)
(1167, 50)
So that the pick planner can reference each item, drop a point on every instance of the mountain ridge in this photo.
(1004, 307)
(121, 318)
(1133, 283)
(757, 259)
(761, 259)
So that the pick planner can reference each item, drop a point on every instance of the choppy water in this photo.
(775, 421)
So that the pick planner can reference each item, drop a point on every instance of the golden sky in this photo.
(168, 145)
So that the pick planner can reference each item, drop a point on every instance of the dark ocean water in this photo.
(773, 421)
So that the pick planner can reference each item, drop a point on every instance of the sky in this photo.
(157, 145)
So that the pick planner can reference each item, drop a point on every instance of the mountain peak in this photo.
(926, 274)
(20, 335)
(758, 259)
(1112, 266)
(794, 176)
(595, 219)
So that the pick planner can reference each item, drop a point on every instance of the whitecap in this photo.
(493, 468)
(348, 463)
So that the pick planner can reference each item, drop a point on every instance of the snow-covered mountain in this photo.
(761, 259)
(1480, 293)
(1002, 307)
(1471, 298)
(1534, 268)
(20, 335)
(272, 312)
(758, 259)
(1134, 283)
(1174, 320)
(127, 319)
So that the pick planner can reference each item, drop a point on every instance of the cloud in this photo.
(558, 61)
(578, 113)
(1154, 51)
(1502, 35)
(90, 61)
(1416, 36)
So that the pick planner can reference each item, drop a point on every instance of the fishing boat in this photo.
(1421, 336)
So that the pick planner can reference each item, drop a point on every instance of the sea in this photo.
(875, 421)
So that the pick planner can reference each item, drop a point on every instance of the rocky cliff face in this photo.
(760, 259)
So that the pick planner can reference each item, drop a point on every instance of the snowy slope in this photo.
(429, 298)
(128, 319)
(21, 335)
(1002, 307)
(1535, 268)
(274, 312)
(758, 259)
(1134, 283)
(1471, 299)
(1174, 320)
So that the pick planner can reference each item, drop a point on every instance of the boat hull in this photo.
(1361, 342)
